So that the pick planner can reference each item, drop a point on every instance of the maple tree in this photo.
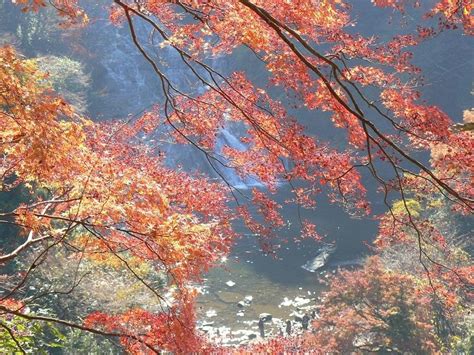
(98, 191)
(375, 309)
(93, 192)
(378, 309)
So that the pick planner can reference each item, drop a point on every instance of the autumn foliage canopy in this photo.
(103, 194)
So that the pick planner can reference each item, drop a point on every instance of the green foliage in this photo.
(46, 338)
(23, 335)
(33, 337)
(78, 342)
(68, 78)
(400, 207)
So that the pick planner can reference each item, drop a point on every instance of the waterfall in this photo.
(229, 136)
(125, 84)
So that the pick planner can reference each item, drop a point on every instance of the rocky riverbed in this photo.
(238, 306)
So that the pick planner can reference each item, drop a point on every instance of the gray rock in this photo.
(261, 327)
(321, 259)
(305, 322)
(299, 317)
